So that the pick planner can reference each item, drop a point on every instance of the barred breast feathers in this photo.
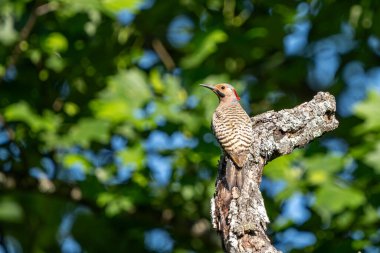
(233, 130)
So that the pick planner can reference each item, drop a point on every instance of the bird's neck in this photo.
(227, 101)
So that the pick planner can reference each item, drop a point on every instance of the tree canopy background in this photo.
(105, 144)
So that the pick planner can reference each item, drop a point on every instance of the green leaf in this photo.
(155, 79)
(105, 198)
(71, 108)
(88, 130)
(21, 111)
(114, 110)
(360, 244)
(115, 6)
(126, 92)
(282, 167)
(10, 210)
(332, 199)
(321, 168)
(72, 7)
(257, 32)
(8, 34)
(55, 63)
(115, 204)
(55, 42)
(132, 156)
(345, 219)
(370, 216)
(76, 160)
(206, 47)
(373, 158)
(369, 111)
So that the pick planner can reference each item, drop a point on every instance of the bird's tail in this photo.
(234, 175)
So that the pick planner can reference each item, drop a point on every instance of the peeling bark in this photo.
(239, 215)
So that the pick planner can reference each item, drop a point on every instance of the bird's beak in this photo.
(208, 86)
(216, 91)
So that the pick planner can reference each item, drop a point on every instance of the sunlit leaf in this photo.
(345, 219)
(115, 110)
(370, 215)
(55, 42)
(140, 179)
(88, 130)
(187, 192)
(331, 199)
(372, 158)
(76, 161)
(8, 33)
(55, 63)
(282, 167)
(368, 110)
(124, 93)
(71, 108)
(156, 81)
(132, 156)
(81, 5)
(21, 111)
(321, 168)
(115, 204)
(118, 5)
(10, 210)
(208, 45)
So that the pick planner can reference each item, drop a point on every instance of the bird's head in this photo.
(224, 91)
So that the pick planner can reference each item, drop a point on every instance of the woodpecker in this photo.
(232, 128)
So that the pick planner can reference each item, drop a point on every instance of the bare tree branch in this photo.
(240, 216)
(163, 54)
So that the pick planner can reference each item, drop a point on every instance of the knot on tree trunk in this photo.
(239, 215)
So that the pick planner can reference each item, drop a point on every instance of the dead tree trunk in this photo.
(240, 216)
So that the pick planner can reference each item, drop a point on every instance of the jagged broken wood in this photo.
(239, 215)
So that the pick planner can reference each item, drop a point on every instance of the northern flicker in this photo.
(233, 129)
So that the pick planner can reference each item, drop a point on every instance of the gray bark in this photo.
(239, 215)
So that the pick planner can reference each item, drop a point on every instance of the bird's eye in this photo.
(223, 87)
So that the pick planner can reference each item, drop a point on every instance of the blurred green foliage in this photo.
(105, 143)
